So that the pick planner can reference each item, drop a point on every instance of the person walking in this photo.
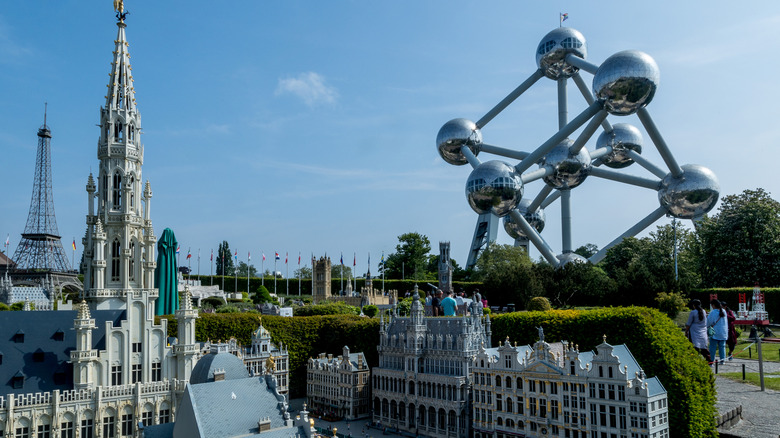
(731, 317)
(696, 329)
(436, 304)
(449, 305)
(718, 330)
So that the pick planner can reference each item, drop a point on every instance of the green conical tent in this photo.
(165, 276)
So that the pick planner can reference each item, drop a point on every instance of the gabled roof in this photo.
(654, 387)
(626, 359)
(39, 327)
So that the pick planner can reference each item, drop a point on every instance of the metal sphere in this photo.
(453, 135)
(552, 51)
(626, 82)
(624, 137)
(569, 170)
(690, 195)
(494, 187)
(536, 219)
(570, 257)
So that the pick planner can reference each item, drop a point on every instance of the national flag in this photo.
(236, 254)
(285, 258)
(7, 239)
(198, 254)
(212, 255)
(382, 260)
(74, 244)
(249, 256)
(276, 256)
(354, 259)
(189, 255)
(299, 258)
(342, 259)
(564, 17)
(263, 256)
(178, 248)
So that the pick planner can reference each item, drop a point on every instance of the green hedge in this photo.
(731, 296)
(654, 340)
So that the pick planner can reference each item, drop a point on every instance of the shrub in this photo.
(539, 304)
(370, 310)
(229, 308)
(4, 307)
(487, 311)
(671, 303)
(213, 302)
(337, 308)
(262, 295)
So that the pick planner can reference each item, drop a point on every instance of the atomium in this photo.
(623, 85)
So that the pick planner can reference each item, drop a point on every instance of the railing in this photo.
(76, 395)
(38, 398)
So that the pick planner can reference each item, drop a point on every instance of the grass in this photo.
(752, 378)
(771, 352)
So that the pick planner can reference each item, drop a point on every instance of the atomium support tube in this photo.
(586, 93)
(581, 63)
(563, 108)
(504, 152)
(588, 132)
(536, 174)
(534, 205)
(470, 157)
(598, 153)
(535, 238)
(566, 220)
(631, 232)
(659, 142)
(510, 98)
(550, 199)
(625, 178)
(642, 161)
(547, 146)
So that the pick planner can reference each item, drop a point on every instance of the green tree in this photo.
(262, 296)
(242, 269)
(336, 271)
(739, 244)
(508, 269)
(304, 272)
(410, 259)
(587, 250)
(225, 260)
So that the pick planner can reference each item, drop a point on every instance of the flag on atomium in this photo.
(564, 17)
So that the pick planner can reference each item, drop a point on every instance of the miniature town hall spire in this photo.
(128, 261)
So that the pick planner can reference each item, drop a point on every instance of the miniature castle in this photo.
(321, 288)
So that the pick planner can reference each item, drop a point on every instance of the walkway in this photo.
(760, 410)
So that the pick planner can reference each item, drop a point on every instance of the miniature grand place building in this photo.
(338, 386)
(537, 392)
(422, 383)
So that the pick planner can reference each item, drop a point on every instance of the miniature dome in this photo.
(204, 370)
(260, 333)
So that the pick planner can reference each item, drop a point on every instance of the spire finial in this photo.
(119, 7)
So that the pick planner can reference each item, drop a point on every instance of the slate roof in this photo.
(626, 358)
(204, 370)
(654, 387)
(51, 335)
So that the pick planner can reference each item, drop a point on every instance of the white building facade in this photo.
(339, 385)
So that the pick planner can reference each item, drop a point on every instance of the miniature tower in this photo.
(84, 357)
(320, 271)
(186, 350)
(122, 211)
(445, 267)
(40, 251)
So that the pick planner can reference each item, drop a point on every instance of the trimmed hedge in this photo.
(654, 340)
(731, 296)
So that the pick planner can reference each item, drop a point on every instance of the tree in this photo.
(304, 272)
(587, 250)
(262, 296)
(508, 269)
(410, 259)
(739, 244)
(242, 269)
(225, 260)
(336, 271)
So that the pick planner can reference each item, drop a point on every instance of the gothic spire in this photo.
(121, 94)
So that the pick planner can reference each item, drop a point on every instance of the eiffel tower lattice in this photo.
(40, 248)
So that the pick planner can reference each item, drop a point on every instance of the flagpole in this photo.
(235, 291)
(74, 254)
(248, 259)
(341, 274)
(299, 273)
(262, 268)
(211, 268)
(223, 269)
(198, 263)
(189, 264)
(275, 258)
(287, 270)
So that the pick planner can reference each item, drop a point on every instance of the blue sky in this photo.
(310, 127)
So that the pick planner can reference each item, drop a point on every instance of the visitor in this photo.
(449, 305)
(429, 304)
(731, 342)
(718, 330)
(696, 329)
(436, 304)
(460, 303)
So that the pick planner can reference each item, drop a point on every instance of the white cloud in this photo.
(310, 87)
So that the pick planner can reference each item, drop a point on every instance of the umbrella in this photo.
(165, 276)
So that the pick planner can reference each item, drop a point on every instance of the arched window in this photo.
(119, 132)
(498, 381)
(508, 382)
(117, 193)
(115, 247)
(509, 404)
(132, 261)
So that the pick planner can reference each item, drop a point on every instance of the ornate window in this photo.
(115, 260)
(117, 193)
(132, 262)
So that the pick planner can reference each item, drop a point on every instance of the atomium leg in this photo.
(631, 232)
(510, 98)
(535, 238)
(485, 232)
(659, 142)
(625, 178)
(550, 199)
(566, 220)
(537, 174)
(588, 132)
(537, 202)
(553, 141)
(496, 150)
(642, 161)
(586, 93)
(563, 109)
(522, 243)
(470, 157)
(581, 63)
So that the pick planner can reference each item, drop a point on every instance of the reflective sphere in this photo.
(570, 257)
(552, 51)
(692, 194)
(622, 138)
(453, 135)
(536, 219)
(626, 81)
(569, 170)
(494, 187)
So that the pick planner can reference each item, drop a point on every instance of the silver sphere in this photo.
(570, 257)
(494, 187)
(624, 137)
(536, 219)
(552, 51)
(453, 135)
(626, 82)
(569, 170)
(690, 195)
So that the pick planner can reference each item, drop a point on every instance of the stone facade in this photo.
(256, 356)
(539, 392)
(338, 386)
(445, 268)
(320, 277)
(422, 383)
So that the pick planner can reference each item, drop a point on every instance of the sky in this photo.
(309, 127)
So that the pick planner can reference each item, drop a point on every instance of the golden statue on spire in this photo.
(119, 6)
